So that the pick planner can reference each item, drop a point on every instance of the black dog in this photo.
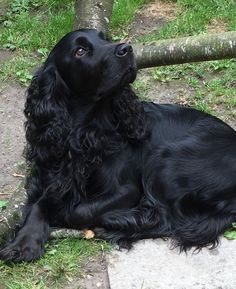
(102, 159)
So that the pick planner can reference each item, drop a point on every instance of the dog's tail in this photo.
(200, 231)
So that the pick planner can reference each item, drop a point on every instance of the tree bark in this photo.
(188, 49)
(93, 14)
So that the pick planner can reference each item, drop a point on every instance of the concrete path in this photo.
(152, 265)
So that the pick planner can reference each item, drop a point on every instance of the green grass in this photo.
(36, 27)
(31, 29)
(31, 33)
(20, 67)
(61, 263)
(193, 17)
(122, 15)
(213, 82)
(141, 87)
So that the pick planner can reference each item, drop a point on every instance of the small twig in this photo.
(18, 175)
(66, 233)
(5, 195)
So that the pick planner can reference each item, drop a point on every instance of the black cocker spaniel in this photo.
(126, 169)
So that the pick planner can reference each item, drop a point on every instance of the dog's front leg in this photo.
(28, 244)
(90, 213)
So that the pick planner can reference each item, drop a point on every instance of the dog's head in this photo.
(83, 66)
(90, 65)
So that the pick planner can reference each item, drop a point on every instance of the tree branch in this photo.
(188, 49)
(93, 14)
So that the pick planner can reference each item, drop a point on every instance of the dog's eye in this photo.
(80, 52)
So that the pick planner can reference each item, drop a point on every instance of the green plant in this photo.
(231, 233)
(2, 204)
(193, 81)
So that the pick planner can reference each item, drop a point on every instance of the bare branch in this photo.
(188, 49)
(93, 14)
(66, 233)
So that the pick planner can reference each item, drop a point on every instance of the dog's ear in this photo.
(130, 116)
(46, 95)
(46, 112)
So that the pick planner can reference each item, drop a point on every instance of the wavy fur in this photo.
(102, 159)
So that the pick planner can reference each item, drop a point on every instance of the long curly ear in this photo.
(48, 121)
(129, 114)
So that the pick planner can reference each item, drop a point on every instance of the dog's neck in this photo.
(84, 112)
(85, 109)
(120, 112)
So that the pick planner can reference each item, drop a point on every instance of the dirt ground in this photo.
(152, 17)
(94, 275)
(12, 140)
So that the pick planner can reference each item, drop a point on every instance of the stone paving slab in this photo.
(151, 264)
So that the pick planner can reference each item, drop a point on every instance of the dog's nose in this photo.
(123, 49)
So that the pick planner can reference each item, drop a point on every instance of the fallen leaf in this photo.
(88, 234)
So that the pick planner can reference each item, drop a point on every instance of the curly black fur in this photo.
(102, 159)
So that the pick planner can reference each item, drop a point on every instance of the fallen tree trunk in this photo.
(188, 49)
(93, 14)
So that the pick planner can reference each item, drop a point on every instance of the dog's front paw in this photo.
(22, 250)
(28, 244)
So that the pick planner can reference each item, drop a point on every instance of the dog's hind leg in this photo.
(200, 231)
(123, 227)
